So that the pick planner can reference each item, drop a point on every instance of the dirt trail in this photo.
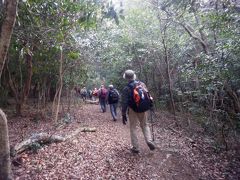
(105, 154)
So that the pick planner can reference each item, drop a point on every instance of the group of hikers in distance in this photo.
(106, 96)
(135, 103)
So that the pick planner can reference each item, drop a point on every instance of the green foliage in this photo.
(192, 46)
(199, 73)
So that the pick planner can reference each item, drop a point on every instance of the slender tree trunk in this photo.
(19, 108)
(21, 93)
(10, 11)
(68, 99)
(44, 91)
(55, 99)
(39, 98)
(5, 164)
(27, 84)
(59, 91)
(6, 29)
(18, 95)
(234, 97)
(169, 78)
(48, 91)
(70, 91)
(160, 74)
(154, 80)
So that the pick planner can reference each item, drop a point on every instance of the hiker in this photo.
(95, 94)
(89, 92)
(102, 94)
(83, 93)
(137, 101)
(113, 97)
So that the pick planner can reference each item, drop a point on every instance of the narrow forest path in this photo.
(105, 154)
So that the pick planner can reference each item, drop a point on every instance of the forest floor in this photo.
(105, 154)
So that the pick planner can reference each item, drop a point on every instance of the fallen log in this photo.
(91, 102)
(41, 138)
(44, 138)
(84, 129)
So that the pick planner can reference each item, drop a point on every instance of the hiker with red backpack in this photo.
(102, 94)
(137, 101)
(95, 94)
(113, 97)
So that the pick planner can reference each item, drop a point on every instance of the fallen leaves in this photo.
(105, 154)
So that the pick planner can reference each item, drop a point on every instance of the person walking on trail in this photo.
(102, 94)
(137, 101)
(90, 92)
(95, 94)
(83, 93)
(113, 97)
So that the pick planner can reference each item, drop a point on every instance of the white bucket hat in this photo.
(129, 75)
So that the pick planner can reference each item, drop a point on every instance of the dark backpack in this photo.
(103, 94)
(139, 98)
(113, 96)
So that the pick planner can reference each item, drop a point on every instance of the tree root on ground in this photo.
(45, 138)
(92, 102)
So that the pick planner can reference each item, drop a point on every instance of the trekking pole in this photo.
(151, 117)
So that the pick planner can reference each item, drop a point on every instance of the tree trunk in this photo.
(44, 93)
(17, 94)
(57, 98)
(68, 98)
(19, 108)
(191, 33)
(27, 84)
(169, 78)
(8, 22)
(61, 84)
(20, 93)
(234, 97)
(5, 164)
(154, 80)
(7, 25)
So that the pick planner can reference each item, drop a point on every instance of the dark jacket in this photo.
(111, 99)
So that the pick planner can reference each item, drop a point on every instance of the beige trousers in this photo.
(134, 118)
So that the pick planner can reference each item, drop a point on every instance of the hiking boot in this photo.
(134, 150)
(151, 146)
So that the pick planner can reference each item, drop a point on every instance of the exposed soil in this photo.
(105, 154)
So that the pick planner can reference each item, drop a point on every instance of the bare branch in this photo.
(194, 36)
